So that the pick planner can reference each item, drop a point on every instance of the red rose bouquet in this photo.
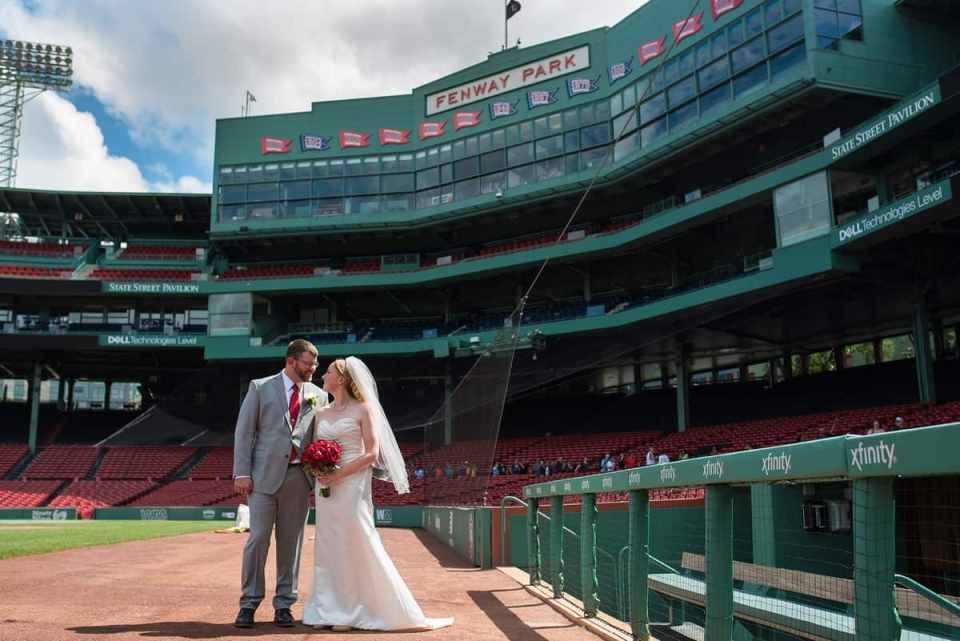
(321, 458)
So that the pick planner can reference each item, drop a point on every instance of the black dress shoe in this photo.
(283, 618)
(244, 618)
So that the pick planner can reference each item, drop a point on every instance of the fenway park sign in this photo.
(531, 73)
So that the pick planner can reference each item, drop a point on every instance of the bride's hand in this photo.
(330, 479)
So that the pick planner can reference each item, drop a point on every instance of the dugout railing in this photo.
(774, 600)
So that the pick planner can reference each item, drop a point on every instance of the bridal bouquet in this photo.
(320, 458)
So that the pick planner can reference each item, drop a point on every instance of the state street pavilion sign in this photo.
(523, 76)
(158, 287)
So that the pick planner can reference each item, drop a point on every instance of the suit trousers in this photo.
(286, 512)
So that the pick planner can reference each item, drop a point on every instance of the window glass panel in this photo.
(388, 164)
(240, 174)
(653, 131)
(472, 146)
(405, 162)
(785, 34)
(232, 194)
(392, 183)
(683, 116)
(570, 119)
(371, 165)
(493, 183)
(735, 33)
(354, 166)
(271, 171)
(459, 150)
(226, 175)
(363, 205)
(774, 12)
(753, 23)
(623, 147)
(682, 91)
(653, 108)
(616, 103)
(363, 185)
(428, 178)
(540, 128)
(446, 173)
(466, 189)
(288, 171)
(513, 134)
(433, 157)
(671, 71)
(573, 163)
(747, 55)
(526, 131)
(397, 202)
(549, 146)
(687, 66)
(571, 141)
(849, 26)
(826, 4)
(328, 187)
(826, 23)
(802, 209)
(601, 111)
(466, 168)
(784, 62)
(421, 160)
(703, 53)
(295, 190)
(752, 79)
(493, 161)
(714, 73)
(595, 135)
(592, 158)
(715, 98)
(496, 139)
(848, 6)
(446, 153)
(549, 169)
(629, 96)
(483, 141)
(255, 173)
(327, 206)
(791, 6)
(519, 176)
(262, 192)
(625, 122)
(520, 154)
(718, 44)
(555, 122)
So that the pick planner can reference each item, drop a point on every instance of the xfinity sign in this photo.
(879, 454)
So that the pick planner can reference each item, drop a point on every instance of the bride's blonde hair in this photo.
(352, 387)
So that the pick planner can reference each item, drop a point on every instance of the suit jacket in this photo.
(263, 438)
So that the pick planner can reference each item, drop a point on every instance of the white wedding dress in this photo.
(354, 581)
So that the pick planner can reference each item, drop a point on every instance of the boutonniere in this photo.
(311, 401)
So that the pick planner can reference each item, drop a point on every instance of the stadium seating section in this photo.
(24, 271)
(106, 273)
(158, 253)
(43, 250)
(85, 477)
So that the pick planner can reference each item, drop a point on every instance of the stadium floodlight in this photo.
(26, 70)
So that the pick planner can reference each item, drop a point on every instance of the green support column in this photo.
(448, 412)
(924, 357)
(61, 394)
(763, 525)
(73, 384)
(588, 554)
(34, 407)
(639, 540)
(719, 563)
(874, 559)
(533, 540)
(683, 391)
(556, 545)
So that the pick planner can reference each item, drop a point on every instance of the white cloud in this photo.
(169, 69)
(62, 148)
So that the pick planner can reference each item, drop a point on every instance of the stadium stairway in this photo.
(57, 492)
(101, 454)
(187, 466)
(20, 466)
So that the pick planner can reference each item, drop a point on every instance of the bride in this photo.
(355, 584)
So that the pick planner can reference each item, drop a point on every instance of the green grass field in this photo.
(25, 538)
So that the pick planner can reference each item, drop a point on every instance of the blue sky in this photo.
(151, 78)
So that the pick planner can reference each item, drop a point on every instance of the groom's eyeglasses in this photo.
(312, 363)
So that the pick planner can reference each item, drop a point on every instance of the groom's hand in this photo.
(243, 486)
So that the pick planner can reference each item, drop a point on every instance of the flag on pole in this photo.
(431, 129)
(720, 7)
(513, 8)
(463, 119)
(686, 27)
(650, 50)
(251, 97)
(353, 139)
(394, 136)
(274, 145)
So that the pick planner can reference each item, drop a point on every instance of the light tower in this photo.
(27, 69)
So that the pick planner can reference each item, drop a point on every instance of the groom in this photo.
(274, 427)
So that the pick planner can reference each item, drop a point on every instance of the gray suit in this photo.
(281, 492)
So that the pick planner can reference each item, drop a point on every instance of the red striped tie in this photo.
(294, 413)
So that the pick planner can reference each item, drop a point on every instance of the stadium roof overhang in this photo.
(940, 7)
(107, 215)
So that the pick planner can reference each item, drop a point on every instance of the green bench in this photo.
(807, 621)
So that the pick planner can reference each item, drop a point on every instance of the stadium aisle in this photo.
(187, 587)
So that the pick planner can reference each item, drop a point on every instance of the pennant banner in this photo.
(620, 70)
(501, 109)
(687, 27)
(577, 86)
(463, 119)
(274, 145)
(720, 7)
(394, 136)
(432, 129)
(541, 98)
(353, 139)
(310, 142)
(650, 50)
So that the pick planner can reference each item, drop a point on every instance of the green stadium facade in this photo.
(771, 185)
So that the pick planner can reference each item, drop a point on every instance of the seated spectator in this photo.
(663, 458)
(603, 462)
(419, 472)
(583, 466)
(621, 461)
(611, 465)
(517, 468)
(630, 460)
(898, 423)
(448, 471)
(683, 456)
(651, 457)
(875, 428)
